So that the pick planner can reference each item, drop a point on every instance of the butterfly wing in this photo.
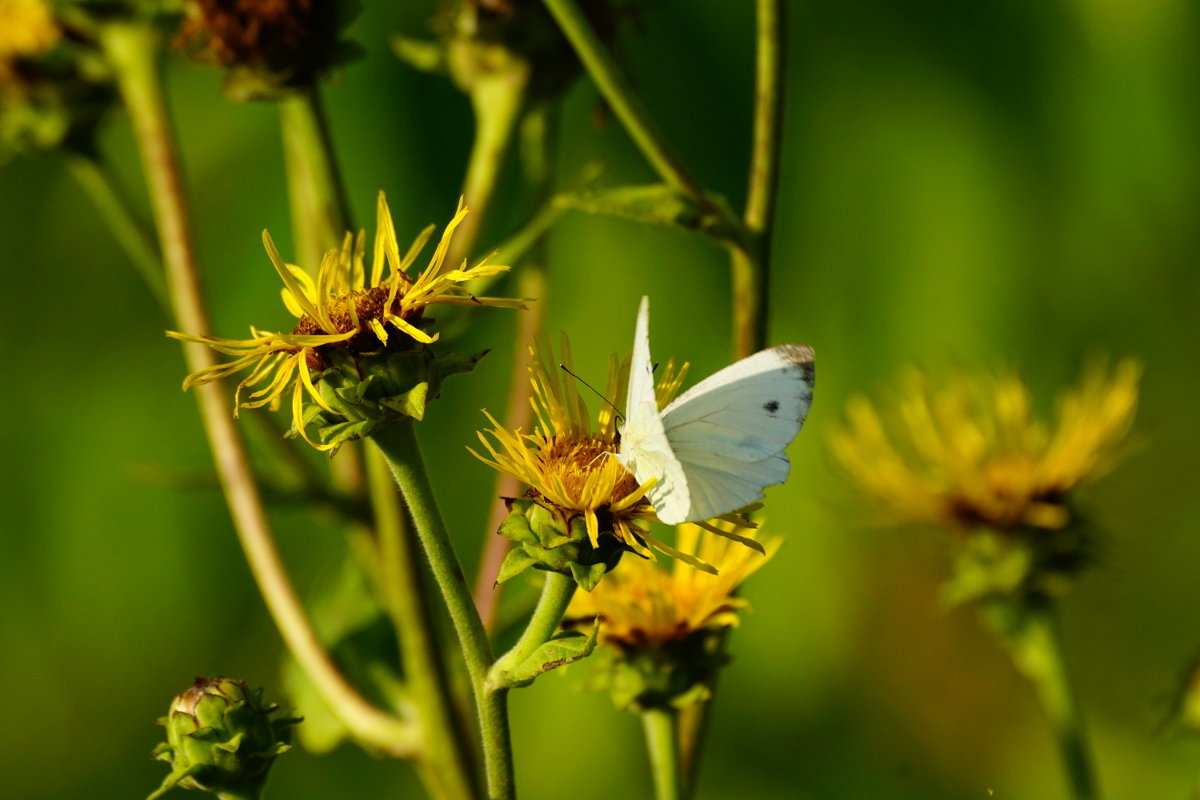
(728, 432)
(645, 451)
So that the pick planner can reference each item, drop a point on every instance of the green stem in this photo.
(750, 260)
(447, 772)
(398, 443)
(129, 231)
(1037, 653)
(556, 596)
(616, 90)
(131, 49)
(662, 743)
(320, 211)
(320, 216)
(496, 99)
(537, 147)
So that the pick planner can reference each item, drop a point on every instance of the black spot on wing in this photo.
(771, 406)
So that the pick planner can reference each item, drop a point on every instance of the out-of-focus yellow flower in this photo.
(27, 28)
(571, 469)
(642, 604)
(971, 453)
(344, 312)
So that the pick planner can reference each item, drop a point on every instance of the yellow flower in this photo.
(343, 313)
(642, 604)
(971, 453)
(571, 469)
(27, 28)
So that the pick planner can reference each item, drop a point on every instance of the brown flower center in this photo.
(368, 304)
(574, 460)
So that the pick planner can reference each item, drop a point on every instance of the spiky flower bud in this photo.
(221, 738)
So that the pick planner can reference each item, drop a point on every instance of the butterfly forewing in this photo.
(715, 448)
(748, 411)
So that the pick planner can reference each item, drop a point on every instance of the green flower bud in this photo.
(221, 738)
(549, 541)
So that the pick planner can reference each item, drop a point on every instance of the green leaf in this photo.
(654, 204)
(588, 576)
(563, 649)
(516, 562)
(410, 403)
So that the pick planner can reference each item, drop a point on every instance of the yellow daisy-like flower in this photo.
(27, 28)
(344, 311)
(972, 453)
(642, 604)
(570, 468)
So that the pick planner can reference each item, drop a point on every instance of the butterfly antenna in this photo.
(603, 399)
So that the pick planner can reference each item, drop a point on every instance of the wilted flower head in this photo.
(971, 453)
(267, 45)
(661, 625)
(362, 337)
(571, 470)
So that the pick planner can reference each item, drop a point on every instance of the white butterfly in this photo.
(716, 447)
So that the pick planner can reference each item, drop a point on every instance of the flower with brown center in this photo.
(574, 478)
(364, 337)
(972, 453)
(660, 625)
(970, 456)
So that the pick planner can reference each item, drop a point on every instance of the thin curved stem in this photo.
(616, 90)
(497, 99)
(128, 230)
(662, 743)
(750, 262)
(132, 48)
(537, 147)
(398, 443)
(556, 596)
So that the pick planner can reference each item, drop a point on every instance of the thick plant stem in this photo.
(443, 765)
(398, 443)
(556, 596)
(615, 88)
(131, 48)
(662, 743)
(1036, 648)
(129, 232)
(320, 211)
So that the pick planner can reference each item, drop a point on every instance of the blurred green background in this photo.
(982, 184)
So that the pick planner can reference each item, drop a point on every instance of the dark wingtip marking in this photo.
(798, 355)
